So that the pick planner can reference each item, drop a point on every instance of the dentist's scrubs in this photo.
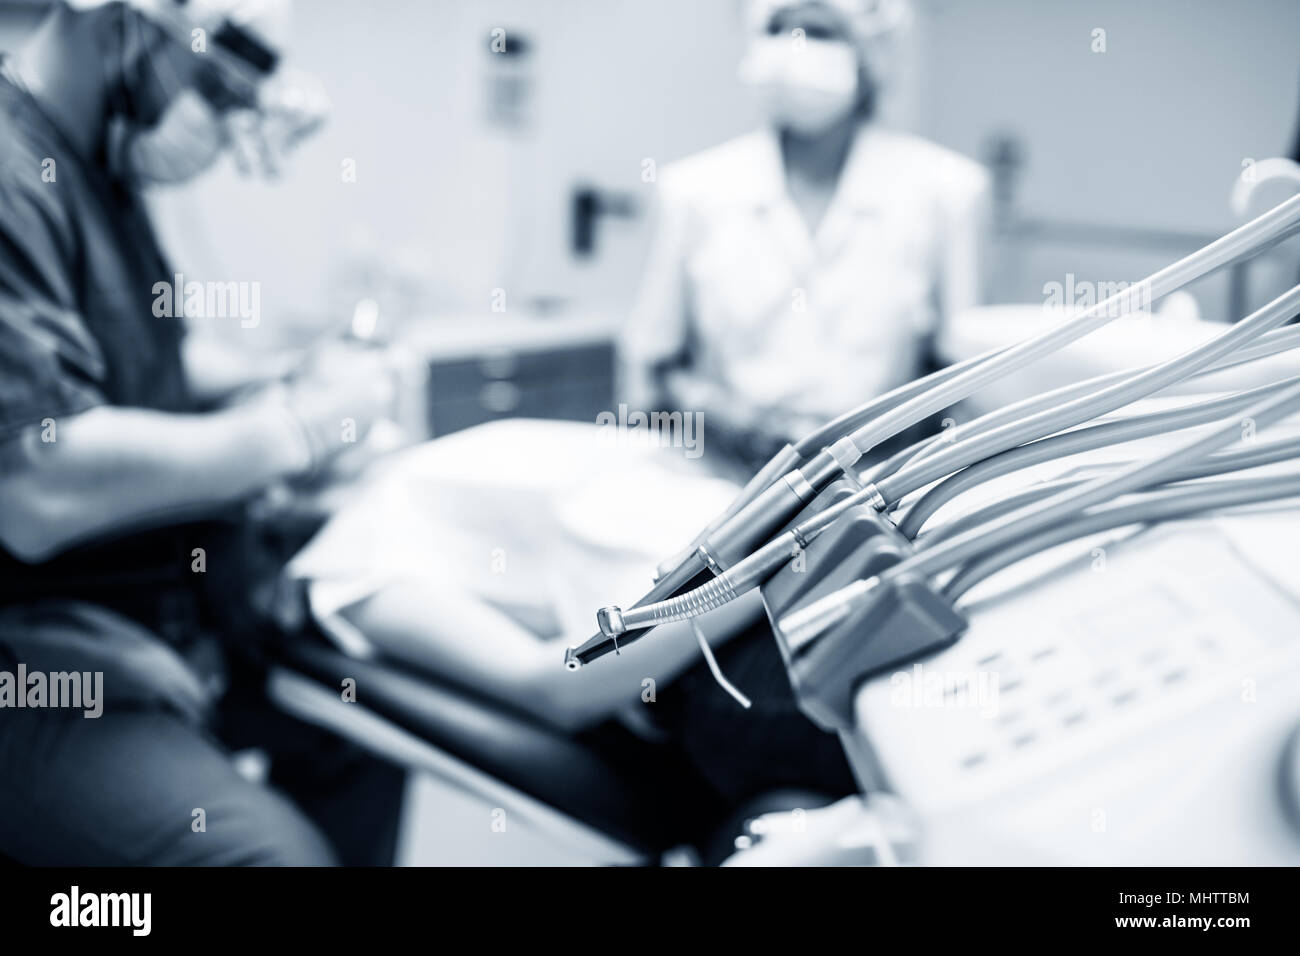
(78, 263)
(816, 323)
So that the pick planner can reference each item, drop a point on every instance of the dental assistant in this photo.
(807, 266)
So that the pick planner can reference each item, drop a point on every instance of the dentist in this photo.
(125, 464)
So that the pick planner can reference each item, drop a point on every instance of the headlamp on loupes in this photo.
(265, 108)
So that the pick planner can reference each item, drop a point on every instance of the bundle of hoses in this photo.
(744, 546)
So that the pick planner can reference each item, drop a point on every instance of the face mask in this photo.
(185, 141)
(806, 86)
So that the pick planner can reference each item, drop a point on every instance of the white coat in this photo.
(811, 324)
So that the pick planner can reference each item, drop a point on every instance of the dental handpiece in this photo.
(735, 581)
(734, 540)
(689, 573)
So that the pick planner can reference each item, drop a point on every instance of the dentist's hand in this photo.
(338, 395)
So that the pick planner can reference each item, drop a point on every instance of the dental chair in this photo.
(610, 794)
(604, 796)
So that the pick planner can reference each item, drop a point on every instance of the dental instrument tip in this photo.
(610, 620)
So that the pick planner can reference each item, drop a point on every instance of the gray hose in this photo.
(1272, 227)
(851, 420)
(921, 473)
(1264, 454)
(1015, 412)
(901, 457)
(961, 548)
(1268, 344)
(1073, 442)
(1159, 506)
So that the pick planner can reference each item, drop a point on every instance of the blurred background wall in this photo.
(469, 164)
